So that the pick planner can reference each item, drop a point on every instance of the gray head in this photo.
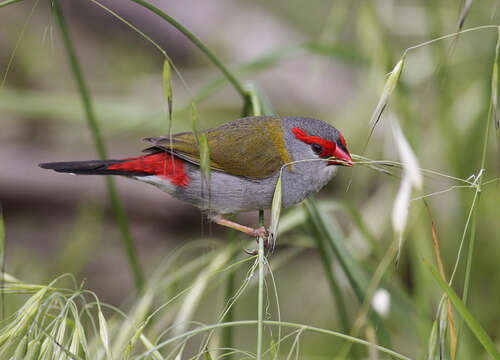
(315, 140)
(308, 138)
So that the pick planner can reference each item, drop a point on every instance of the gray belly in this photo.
(231, 194)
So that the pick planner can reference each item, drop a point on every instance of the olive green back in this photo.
(252, 147)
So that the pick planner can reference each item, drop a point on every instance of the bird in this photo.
(247, 156)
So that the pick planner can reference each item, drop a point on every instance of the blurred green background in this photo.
(322, 59)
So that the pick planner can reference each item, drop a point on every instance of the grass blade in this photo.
(2, 256)
(260, 298)
(18, 42)
(8, 2)
(167, 90)
(351, 268)
(389, 87)
(433, 342)
(21, 348)
(477, 195)
(195, 122)
(103, 332)
(275, 214)
(229, 76)
(474, 326)
(325, 256)
(254, 100)
(33, 350)
(463, 14)
(451, 322)
(494, 96)
(227, 333)
(494, 83)
(116, 204)
(205, 169)
(313, 329)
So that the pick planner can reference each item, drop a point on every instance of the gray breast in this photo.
(232, 194)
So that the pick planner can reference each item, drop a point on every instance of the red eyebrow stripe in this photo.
(327, 145)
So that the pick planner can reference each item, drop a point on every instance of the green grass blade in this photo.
(474, 326)
(494, 84)
(8, 2)
(33, 350)
(22, 348)
(195, 122)
(18, 42)
(100, 147)
(260, 299)
(389, 87)
(167, 90)
(433, 342)
(229, 76)
(2, 242)
(463, 14)
(227, 333)
(477, 196)
(2, 260)
(275, 213)
(254, 101)
(303, 327)
(325, 256)
(205, 168)
(350, 267)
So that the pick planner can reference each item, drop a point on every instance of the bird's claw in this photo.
(261, 232)
(269, 241)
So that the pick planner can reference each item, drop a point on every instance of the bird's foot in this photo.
(261, 232)
(269, 241)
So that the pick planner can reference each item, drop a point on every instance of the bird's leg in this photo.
(259, 232)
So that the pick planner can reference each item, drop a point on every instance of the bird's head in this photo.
(315, 139)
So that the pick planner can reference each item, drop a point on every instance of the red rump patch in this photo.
(327, 145)
(161, 164)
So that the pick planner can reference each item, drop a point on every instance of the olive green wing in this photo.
(252, 147)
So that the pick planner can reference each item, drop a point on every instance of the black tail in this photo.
(92, 167)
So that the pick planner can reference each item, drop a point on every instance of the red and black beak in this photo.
(341, 156)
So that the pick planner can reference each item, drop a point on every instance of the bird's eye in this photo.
(317, 148)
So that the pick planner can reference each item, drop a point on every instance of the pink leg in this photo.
(260, 232)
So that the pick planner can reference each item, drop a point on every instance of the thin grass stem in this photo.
(18, 42)
(227, 333)
(474, 210)
(92, 123)
(8, 2)
(2, 260)
(314, 329)
(260, 318)
(229, 76)
(448, 36)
